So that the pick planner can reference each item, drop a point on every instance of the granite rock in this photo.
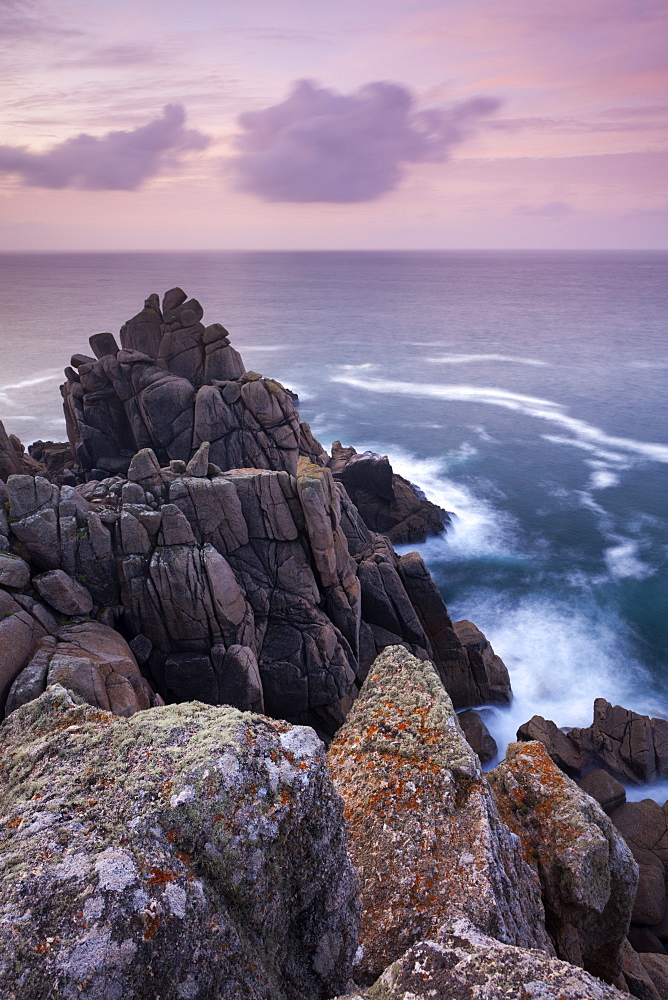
(587, 873)
(425, 833)
(461, 963)
(183, 852)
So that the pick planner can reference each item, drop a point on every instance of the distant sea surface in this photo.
(524, 391)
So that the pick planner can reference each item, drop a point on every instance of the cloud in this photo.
(118, 161)
(552, 209)
(318, 145)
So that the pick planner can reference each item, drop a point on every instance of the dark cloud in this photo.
(318, 145)
(553, 209)
(118, 161)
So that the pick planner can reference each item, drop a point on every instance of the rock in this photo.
(20, 633)
(656, 967)
(636, 977)
(477, 735)
(644, 826)
(488, 671)
(387, 502)
(644, 940)
(63, 593)
(55, 456)
(170, 876)
(103, 344)
(238, 677)
(608, 792)
(13, 459)
(425, 834)
(463, 964)
(96, 663)
(14, 572)
(31, 682)
(587, 873)
(631, 747)
(141, 647)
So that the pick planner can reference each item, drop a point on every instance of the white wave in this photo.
(623, 562)
(658, 791)
(605, 456)
(531, 406)
(479, 529)
(466, 359)
(603, 479)
(260, 347)
(648, 364)
(37, 380)
(561, 657)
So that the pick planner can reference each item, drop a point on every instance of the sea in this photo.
(525, 392)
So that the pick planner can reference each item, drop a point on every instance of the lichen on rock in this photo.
(186, 851)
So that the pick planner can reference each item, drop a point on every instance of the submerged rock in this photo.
(587, 873)
(184, 852)
(425, 834)
(460, 963)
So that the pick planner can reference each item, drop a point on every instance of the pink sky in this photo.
(156, 124)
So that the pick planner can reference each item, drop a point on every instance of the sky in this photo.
(366, 124)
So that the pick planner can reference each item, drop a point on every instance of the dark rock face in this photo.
(478, 735)
(387, 502)
(184, 852)
(644, 826)
(13, 458)
(55, 456)
(174, 384)
(607, 791)
(631, 747)
(253, 586)
(587, 873)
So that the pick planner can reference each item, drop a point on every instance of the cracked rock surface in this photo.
(183, 852)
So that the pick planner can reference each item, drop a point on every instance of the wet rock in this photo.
(425, 834)
(387, 502)
(170, 875)
(460, 963)
(477, 735)
(587, 873)
(63, 593)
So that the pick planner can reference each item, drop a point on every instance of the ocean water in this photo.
(523, 391)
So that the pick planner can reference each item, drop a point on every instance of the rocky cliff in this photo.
(188, 589)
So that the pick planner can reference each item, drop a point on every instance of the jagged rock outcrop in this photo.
(629, 746)
(460, 963)
(183, 852)
(644, 826)
(56, 458)
(13, 457)
(587, 873)
(425, 834)
(387, 502)
(250, 586)
(172, 385)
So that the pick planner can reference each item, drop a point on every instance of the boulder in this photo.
(13, 457)
(425, 834)
(656, 967)
(23, 624)
(636, 978)
(477, 735)
(607, 791)
(632, 748)
(460, 963)
(14, 572)
(587, 873)
(488, 672)
(387, 502)
(210, 864)
(63, 593)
